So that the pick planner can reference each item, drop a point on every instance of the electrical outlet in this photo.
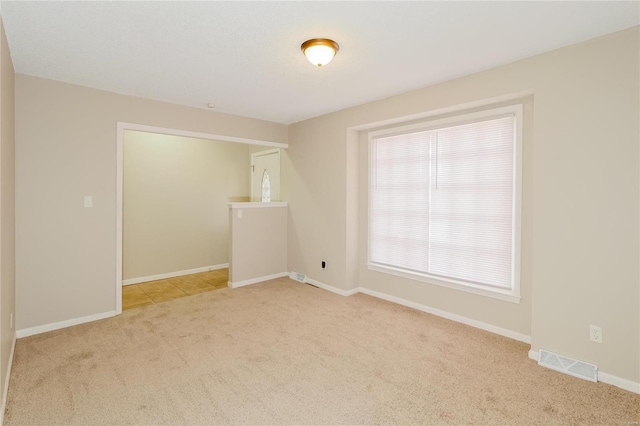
(324, 264)
(595, 333)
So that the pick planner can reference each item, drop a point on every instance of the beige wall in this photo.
(585, 250)
(258, 242)
(176, 191)
(581, 200)
(66, 149)
(7, 206)
(510, 316)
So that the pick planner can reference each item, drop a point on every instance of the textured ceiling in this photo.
(245, 56)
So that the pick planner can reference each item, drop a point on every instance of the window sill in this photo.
(506, 295)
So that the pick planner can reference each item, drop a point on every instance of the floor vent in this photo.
(570, 366)
(297, 276)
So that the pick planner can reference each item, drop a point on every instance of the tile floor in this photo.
(137, 295)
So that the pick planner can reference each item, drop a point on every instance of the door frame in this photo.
(120, 129)
(260, 154)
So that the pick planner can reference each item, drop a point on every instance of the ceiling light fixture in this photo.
(320, 51)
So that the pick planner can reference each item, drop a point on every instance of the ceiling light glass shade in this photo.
(320, 51)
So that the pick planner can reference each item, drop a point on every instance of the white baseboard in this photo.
(603, 377)
(448, 315)
(424, 308)
(331, 288)
(257, 280)
(139, 280)
(25, 332)
(619, 382)
(5, 391)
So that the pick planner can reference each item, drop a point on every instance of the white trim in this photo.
(619, 382)
(132, 281)
(446, 110)
(199, 135)
(454, 317)
(25, 332)
(424, 308)
(453, 121)
(257, 204)
(516, 258)
(510, 295)
(257, 280)
(603, 377)
(449, 283)
(120, 128)
(119, 213)
(331, 288)
(5, 392)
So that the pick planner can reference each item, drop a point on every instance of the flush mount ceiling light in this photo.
(320, 51)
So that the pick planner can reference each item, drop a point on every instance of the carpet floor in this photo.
(281, 352)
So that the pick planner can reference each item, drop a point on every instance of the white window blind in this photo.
(442, 202)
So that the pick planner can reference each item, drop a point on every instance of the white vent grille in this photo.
(297, 276)
(570, 366)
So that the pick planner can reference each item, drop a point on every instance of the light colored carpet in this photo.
(284, 352)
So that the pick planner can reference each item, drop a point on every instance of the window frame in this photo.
(510, 295)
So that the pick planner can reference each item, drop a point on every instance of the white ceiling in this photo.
(245, 56)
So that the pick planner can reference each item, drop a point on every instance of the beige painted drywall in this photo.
(581, 200)
(585, 250)
(258, 242)
(66, 149)
(176, 191)
(7, 206)
(511, 316)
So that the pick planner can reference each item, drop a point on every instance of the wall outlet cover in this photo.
(595, 333)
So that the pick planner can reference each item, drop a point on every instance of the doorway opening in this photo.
(122, 128)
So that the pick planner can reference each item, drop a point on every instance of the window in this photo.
(444, 202)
